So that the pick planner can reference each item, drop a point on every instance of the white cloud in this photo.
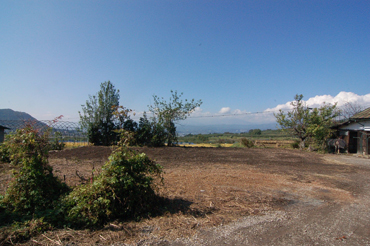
(198, 112)
(225, 110)
(227, 115)
(341, 99)
(286, 106)
(238, 111)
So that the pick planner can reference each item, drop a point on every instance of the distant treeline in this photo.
(228, 137)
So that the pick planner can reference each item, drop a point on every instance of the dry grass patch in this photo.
(205, 187)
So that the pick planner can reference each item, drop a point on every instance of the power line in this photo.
(247, 113)
(228, 115)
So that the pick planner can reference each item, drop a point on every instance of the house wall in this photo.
(363, 146)
(357, 137)
(357, 126)
(350, 137)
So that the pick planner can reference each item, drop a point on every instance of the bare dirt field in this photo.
(232, 196)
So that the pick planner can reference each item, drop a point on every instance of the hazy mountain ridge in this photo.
(9, 114)
(232, 128)
(16, 119)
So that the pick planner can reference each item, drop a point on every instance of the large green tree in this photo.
(98, 115)
(150, 132)
(168, 113)
(304, 122)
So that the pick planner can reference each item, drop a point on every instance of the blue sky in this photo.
(237, 56)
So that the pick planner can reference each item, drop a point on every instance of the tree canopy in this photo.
(168, 113)
(98, 115)
(350, 109)
(304, 122)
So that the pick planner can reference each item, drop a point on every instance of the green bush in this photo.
(33, 188)
(124, 189)
(255, 132)
(295, 144)
(247, 143)
(4, 153)
(57, 143)
(37, 201)
(225, 140)
(150, 133)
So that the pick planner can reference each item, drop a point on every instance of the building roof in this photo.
(365, 114)
(3, 127)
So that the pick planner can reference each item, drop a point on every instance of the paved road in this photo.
(303, 223)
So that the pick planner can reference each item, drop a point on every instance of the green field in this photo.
(234, 138)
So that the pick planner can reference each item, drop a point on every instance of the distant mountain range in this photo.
(9, 114)
(205, 129)
(15, 119)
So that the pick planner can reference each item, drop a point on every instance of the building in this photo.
(2, 133)
(356, 132)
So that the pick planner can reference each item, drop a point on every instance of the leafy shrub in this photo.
(247, 143)
(202, 138)
(124, 189)
(150, 133)
(57, 143)
(295, 144)
(34, 188)
(4, 153)
(102, 133)
(225, 140)
(255, 132)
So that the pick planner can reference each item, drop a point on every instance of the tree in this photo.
(304, 122)
(150, 133)
(296, 120)
(98, 115)
(350, 109)
(255, 132)
(168, 113)
(321, 120)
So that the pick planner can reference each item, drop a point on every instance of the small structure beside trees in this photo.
(2, 133)
(355, 131)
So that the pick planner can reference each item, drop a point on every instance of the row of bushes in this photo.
(146, 132)
(252, 143)
(124, 188)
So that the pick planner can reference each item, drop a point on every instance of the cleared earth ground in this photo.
(225, 196)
